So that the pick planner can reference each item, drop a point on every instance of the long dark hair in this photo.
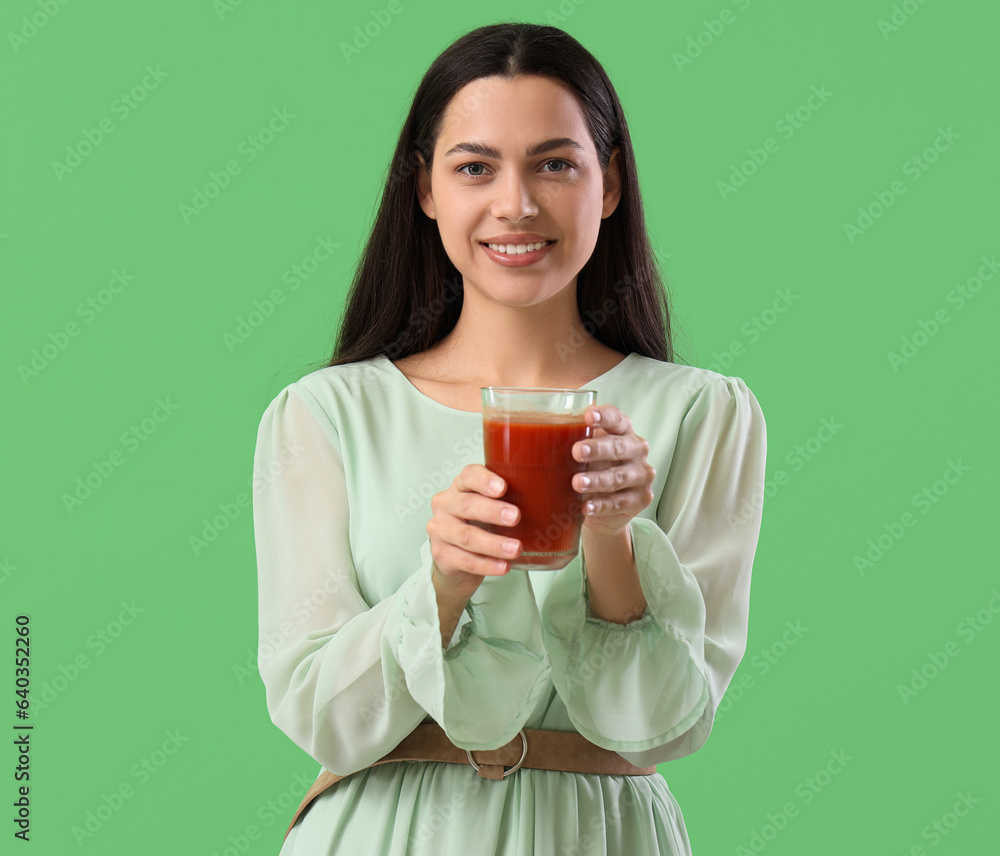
(406, 294)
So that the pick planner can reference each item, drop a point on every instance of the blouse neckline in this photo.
(478, 413)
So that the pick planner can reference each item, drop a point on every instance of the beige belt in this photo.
(535, 748)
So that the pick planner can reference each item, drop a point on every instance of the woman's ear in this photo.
(612, 184)
(424, 196)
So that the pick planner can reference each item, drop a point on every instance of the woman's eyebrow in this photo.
(485, 151)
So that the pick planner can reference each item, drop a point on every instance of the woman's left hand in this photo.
(620, 478)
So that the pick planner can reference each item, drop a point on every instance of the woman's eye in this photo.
(566, 165)
(471, 175)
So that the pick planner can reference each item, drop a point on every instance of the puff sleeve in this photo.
(347, 680)
(649, 689)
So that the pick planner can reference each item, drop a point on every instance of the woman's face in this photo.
(501, 187)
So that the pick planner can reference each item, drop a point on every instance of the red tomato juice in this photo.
(536, 460)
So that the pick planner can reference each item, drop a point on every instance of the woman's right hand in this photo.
(463, 552)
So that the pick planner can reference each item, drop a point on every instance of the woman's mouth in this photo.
(517, 255)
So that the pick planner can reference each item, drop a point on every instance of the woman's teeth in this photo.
(517, 249)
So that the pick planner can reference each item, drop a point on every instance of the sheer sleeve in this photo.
(345, 680)
(649, 689)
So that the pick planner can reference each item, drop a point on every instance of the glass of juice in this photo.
(528, 437)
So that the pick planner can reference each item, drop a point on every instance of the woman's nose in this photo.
(515, 198)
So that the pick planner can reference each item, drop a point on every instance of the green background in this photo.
(183, 668)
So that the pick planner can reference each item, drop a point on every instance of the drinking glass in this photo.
(528, 437)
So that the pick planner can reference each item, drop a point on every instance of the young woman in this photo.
(509, 250)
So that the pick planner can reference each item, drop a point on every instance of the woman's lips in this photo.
(508, 260)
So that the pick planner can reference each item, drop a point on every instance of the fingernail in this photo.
(584, 451)
(596, 416)
(507, 515)
(496, 485)
(510, 547)
(589, 508)
(584, 481)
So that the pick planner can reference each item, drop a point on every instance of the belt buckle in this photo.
(506, 773)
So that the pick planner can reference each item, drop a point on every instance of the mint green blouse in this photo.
(347, 460)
